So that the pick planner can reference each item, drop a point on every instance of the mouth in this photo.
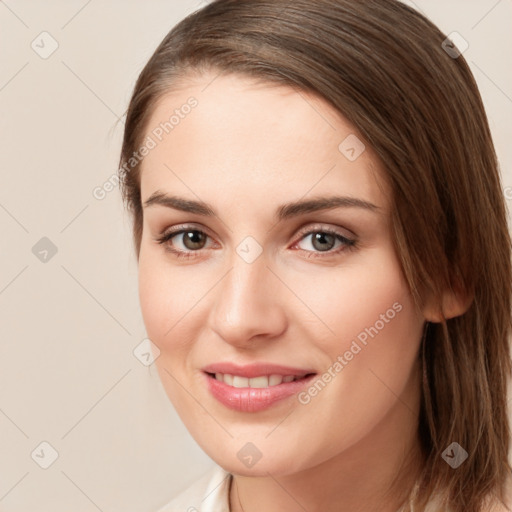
(255, 394)
(258, 382)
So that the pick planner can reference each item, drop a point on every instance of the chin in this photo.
(243, 458)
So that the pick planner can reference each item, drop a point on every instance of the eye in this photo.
(325, 241)
(183, 241)
(186, 241)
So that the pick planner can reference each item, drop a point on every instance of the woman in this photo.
(324, 259)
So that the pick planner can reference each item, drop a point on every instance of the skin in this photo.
(246, 149)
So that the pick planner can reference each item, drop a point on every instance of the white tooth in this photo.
(274, 380)
(259, 382)
(288, 378)
(240, 382)
(219, 377)
(228, 379)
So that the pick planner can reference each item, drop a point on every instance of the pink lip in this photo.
(253, 399)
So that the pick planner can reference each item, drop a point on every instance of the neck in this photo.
(374, 475)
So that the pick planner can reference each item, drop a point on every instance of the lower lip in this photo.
(253, 399)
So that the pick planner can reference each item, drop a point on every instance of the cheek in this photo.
(164, 311)
(162, 304)
(373, 351)
(374, 336)
(169, 299)
(153, 296)
(357, 300)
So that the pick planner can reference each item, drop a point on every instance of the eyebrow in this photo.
(285, 211)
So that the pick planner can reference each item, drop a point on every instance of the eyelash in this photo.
(347, 243)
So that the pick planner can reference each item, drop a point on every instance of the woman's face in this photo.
(289, 272)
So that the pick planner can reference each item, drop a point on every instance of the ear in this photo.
(454, 302)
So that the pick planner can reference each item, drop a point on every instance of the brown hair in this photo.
(382, 65)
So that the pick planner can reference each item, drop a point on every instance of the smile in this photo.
(254, 394)
(263, 381)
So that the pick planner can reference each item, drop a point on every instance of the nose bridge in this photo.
(247, 303)
(245, 287)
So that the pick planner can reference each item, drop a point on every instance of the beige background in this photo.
(68, 328)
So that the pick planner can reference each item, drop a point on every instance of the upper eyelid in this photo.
(325, 228)
(180, 229)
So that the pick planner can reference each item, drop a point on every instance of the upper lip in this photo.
(255, 369)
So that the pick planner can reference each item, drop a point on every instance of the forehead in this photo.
(255, 139)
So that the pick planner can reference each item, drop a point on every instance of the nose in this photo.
(248, 304)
